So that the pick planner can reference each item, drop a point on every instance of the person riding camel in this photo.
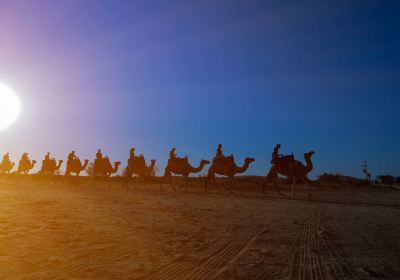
(6, 158)
(24, 157)
(132, 153)
(219, 155)
(71, 157)
(280, 158)
(99, 157)
(172, 154)
(99, 154)
(275, 154)
(46, 161)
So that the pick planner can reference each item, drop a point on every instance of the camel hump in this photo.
(178, 161)
(284, 160)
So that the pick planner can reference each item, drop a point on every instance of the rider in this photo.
(275, 154)
(24, 157)
(71, 157)
(99, 155)
(132, 153)
(46, 161)
(172, 154)
(6, 157)
(218, 155)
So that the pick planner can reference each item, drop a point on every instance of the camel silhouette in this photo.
(181, 166)
(293, 169)
(75, 166)
(50, 166)
(6, 166)
(137, 165)
(226, 166)
(25, 166)
(102, 168)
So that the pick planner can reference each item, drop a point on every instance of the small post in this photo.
(364, 167)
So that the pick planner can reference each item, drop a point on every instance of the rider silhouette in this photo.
(275, 154)
(6, 157)
(132, 153)
(99, 155)
(172, 154)
(281, 159)
(219, 153)
(71, 157)
(24, 157)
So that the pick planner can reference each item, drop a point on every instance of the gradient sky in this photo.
(321, 75)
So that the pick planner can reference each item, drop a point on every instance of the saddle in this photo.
(223, 160)
(283, 160)
(136, 161)
(178, 160)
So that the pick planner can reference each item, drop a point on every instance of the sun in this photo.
(10, 106)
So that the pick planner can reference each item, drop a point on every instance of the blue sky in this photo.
(191, 74)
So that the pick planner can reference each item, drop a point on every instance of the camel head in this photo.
(204, 162)
(309, 154)
(249, 160)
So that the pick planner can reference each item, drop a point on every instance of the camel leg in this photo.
(166, 173)
(170, 182)
(275, 184)
(264, 183)
(294, 182)
(308, 194)
(266, 180)
(307, 181)
(210, 176)
(230, 185)
(186, 182)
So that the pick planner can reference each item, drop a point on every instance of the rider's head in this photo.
(73, 152)
(219, 146)
(278, 146)
(173, 149)
(99, 150)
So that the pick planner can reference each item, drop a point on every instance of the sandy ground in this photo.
(56, 231)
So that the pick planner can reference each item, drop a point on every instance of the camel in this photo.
(137, 165)
(76, 166)
(50, 166)
(293, 169)
(6, 166)
(182, 167)
(103, 168)
(226, 166)
(25, 166)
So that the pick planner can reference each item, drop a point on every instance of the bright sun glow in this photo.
(10, 106)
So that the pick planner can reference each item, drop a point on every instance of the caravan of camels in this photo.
(102, 168)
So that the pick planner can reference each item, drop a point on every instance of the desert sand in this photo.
(77, 231)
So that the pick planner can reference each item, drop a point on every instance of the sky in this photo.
(310, 75)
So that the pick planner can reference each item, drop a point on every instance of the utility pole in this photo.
(364, 167)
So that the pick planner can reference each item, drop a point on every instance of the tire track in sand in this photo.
(364, 257)
(212, 261)
(307, 262)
